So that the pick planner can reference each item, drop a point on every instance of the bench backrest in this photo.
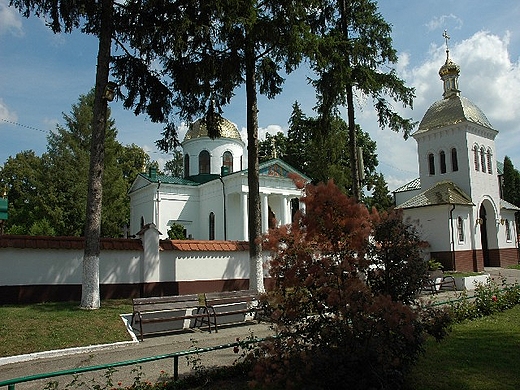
(226, 297)
(173, 302)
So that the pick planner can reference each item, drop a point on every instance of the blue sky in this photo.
(43, 74)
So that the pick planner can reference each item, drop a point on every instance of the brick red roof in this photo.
(44, 242)
(199, 245)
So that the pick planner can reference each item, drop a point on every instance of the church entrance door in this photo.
(484, 236)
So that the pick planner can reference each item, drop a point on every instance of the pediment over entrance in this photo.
(278, 168)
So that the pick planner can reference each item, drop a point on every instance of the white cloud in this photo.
(262, 131)
(443, 21)
(10, 21)
(6, 114)
(488, 78)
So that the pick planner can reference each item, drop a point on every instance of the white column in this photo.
(283, 217)
(245, 218)
(265, 213)
(288, 216)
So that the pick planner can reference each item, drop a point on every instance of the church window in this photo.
(227, 161)
(454, 160)
(483, 160)
(489, 162)
(204, 162)
(508, 230)
(186, 165)
(460, 229)
(212, 226)
(431, 164)
(475, 157)
(442, 156)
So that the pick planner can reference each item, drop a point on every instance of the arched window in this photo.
(186, 165)
(431, 164)
(227, 161)
(489, 162)
(211, 226)
(475, 157)
(454, 160)
(442, 156)
(460, 229)
(204, 162)
(508, 230)
(483, 159)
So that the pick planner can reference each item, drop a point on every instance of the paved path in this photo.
(151, 346)
(15, 367)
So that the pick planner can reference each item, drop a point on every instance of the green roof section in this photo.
(442, 193)
(272, 168)
(155, 178)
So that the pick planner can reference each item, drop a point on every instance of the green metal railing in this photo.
(175, 356)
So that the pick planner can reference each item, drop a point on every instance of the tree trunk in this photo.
(256, 275)
(354, 167)
(90, 297)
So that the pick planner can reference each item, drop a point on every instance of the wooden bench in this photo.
(169, 309)
(227, 303)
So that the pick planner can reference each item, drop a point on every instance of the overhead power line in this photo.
(25, 126)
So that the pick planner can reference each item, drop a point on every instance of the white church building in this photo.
(211, 200)
(456, 202)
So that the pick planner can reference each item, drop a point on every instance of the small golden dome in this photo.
(449, 68)
(227, 129)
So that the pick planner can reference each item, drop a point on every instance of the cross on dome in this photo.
(449, 72)
(446, 37)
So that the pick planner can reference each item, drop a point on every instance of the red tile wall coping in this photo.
(45, 242)
(199, 245)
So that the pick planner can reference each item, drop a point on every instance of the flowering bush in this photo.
(489, 298)
(339, 331)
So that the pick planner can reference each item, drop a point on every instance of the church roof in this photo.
(508, 206)
(500, 167)
(442, 193)
(227, 129)
(415, 184)
(450, 111)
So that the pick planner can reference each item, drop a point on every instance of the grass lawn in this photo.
(47, 326)
(478, 355)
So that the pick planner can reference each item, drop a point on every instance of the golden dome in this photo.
(227, 129)
(449, 68)
(450, 111)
